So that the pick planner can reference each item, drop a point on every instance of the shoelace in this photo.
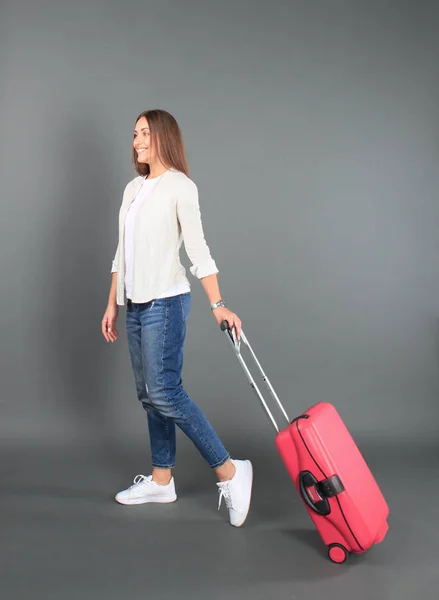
(140, 479)
(226, 493)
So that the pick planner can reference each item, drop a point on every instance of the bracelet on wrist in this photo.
(217, 304)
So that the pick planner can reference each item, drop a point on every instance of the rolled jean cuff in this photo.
(221, 462)
(163, 466)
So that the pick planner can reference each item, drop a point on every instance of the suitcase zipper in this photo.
(326, 479)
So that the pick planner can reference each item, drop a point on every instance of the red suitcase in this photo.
(328, 470)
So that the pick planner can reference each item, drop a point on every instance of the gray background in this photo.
(312, 133)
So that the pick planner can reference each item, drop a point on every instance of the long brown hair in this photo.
(167, 139)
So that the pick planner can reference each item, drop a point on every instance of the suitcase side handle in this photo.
(316, 493)
(311, 494)
(237, 347)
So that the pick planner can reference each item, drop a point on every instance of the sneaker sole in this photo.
(250, 482)
(155, 500)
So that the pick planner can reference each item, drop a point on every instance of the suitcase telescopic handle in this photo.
(237, 347)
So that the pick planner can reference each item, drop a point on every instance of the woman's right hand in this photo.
(109, 330)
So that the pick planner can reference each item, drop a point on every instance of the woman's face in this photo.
(142, 142)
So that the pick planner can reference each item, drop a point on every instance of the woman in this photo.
(159, 211)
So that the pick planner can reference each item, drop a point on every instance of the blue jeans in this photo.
(156, 332)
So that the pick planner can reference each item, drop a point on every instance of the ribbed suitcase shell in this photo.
(322, 444)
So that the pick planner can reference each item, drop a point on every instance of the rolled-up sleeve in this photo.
(189, 217)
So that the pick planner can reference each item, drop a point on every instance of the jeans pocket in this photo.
(148, 305)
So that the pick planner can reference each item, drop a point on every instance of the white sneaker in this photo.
(145, 490)
(237, 492)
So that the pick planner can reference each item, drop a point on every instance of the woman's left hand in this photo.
(224, 314)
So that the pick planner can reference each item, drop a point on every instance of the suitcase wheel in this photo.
(337, 553)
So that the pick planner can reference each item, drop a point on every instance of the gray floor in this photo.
(63, 535)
